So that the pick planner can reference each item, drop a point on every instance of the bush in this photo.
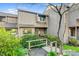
(9, 44)
(52, 38)
(52, 54)
(77, 43)
(66, 55)
(29, 37)
(73, 41)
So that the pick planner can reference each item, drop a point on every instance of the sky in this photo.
(12, 7)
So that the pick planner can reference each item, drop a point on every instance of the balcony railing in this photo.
(6, 24)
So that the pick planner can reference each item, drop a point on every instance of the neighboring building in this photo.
(70, 23)
(31, 22)
(8, 21)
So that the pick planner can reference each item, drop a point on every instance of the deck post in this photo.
(51, 46)
(29, 45)
(55, 46)
(46, 42)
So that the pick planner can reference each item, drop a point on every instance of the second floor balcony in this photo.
(8, 25)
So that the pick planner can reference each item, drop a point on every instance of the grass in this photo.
(73, 48)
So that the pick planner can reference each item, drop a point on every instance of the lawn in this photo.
(73, 48)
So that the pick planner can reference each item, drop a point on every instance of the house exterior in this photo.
(31, 22)
(69, 24)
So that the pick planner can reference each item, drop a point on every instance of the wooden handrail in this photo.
(29, 43)
(36, 40)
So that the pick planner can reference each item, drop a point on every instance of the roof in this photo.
(31, 12)
(7, 14)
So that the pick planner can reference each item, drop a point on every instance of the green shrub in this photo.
(29, 37)
(52, 38)
(66, 55)
(73, 41)
(52, 54)
(9, 44)
(77, 43)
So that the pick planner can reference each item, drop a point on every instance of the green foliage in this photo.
(65, 54)
(9, 44)
(52, 54)
(52, 38)
(73, 48)
(29, 37)
(73, 41)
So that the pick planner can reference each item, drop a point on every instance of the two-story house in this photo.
(31, 22)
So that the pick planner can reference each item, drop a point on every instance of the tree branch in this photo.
(68, 9)
(60, 7)
(53, 9)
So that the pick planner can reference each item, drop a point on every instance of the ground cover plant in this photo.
(73, 48)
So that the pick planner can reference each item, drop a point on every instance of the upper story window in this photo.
(42, 17)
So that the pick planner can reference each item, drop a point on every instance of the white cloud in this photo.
(12, 11)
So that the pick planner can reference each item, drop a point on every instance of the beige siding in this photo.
(73, 15)
(11, 19)
(26, 18)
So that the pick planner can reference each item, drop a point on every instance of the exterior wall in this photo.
(11, 19)
(73, 15)
(26, 18)
(53, 24)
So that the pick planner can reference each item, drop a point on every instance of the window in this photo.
(72, 31)
(42, 17)
(27, 31)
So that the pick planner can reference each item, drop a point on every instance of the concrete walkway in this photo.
(37, 52)
(41, 51)
(48, 49)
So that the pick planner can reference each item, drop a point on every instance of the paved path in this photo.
(38, 52)
(48, 49)
(41, 51)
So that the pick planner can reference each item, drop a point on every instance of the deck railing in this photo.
(30, 46)
(51, 44)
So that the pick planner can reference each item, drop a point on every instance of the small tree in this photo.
(58, 8)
